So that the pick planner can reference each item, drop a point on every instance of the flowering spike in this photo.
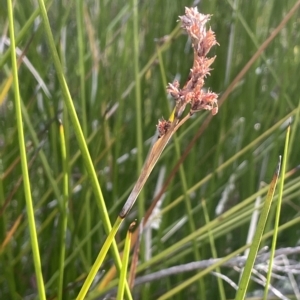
(194, 23)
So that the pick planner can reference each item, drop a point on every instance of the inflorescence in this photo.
(194, 23)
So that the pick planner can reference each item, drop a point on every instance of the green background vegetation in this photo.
(118, 104)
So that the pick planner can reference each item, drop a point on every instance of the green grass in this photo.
(102, 69)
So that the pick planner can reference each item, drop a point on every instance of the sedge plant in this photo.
(193, 95)
(68, 172)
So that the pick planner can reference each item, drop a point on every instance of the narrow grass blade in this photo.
(76, 125)
(6, 85)
(191, 280)
(135, 255)
(64, 215)
(138, 98)
(10, 234)
(22, 147)
(257, 237)
(170, 294)
(81, 48)
(23, 32)
(125, 260)
(79, 135)
(280, 193)
(99, 260)
(214, 251)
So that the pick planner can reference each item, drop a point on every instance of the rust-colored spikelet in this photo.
(163, 126)
(193, 93)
